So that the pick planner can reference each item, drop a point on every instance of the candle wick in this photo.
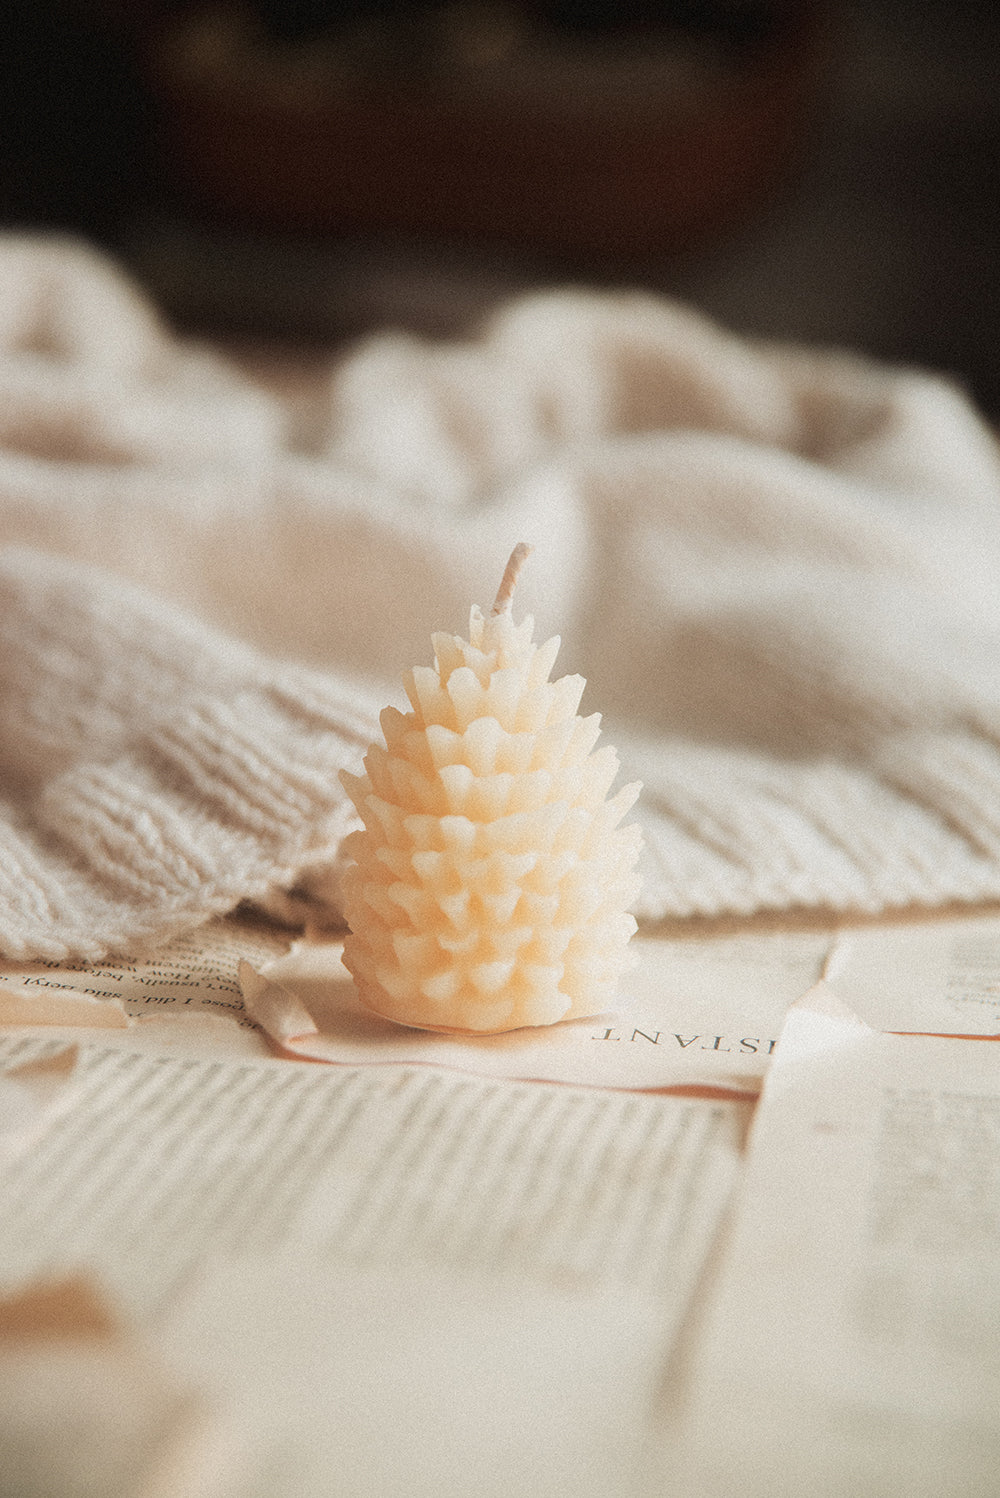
(505, 592)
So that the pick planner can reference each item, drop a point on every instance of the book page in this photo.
(191, 1158)
(302, 1238)
(30, 1093)
(697, 1012)
(853, 1346)
(193, 975)
(420, 1383)
(89, 1412)
(939, 976)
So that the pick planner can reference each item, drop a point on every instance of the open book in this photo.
(446, 1268)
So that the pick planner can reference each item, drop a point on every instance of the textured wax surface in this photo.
(492, 882)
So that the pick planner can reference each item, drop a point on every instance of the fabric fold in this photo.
(164, 773)
(776, 568)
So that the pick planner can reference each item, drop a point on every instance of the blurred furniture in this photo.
(617, 131)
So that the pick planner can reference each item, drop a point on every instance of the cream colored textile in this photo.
(154, 774)
(777, 570)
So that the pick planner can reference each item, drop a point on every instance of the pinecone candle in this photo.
(491, 882)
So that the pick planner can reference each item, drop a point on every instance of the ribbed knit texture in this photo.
(155, 773)
(777, 569)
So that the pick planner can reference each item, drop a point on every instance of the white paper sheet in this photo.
(88, 1411)
(438, 1282)
(420, 1384)
(30, 1095)
(854, 1348)
(702, 1012)
(164, 1162)
(937, 976)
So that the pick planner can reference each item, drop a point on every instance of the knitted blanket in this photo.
(777, 569)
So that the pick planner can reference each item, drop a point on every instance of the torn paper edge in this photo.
(25, 1006)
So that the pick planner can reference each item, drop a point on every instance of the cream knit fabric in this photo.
(154, 773)
(777, 570)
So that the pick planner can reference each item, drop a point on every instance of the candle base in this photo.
(385, 1011)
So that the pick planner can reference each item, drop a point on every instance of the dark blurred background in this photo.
(303, 170)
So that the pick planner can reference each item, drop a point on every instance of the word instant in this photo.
(746, 1046)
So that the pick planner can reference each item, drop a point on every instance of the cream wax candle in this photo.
(492, 881)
